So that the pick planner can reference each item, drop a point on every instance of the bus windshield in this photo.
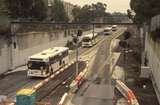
(86, 40)
(36, 65)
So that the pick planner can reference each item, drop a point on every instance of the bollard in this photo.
(26, 97)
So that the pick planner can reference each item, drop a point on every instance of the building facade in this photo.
(67, 6)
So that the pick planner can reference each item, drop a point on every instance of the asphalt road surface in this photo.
(98, 89)
(15, 81)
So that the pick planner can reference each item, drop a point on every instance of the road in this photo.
(98, 89)
(11, 83)
(47, 92)
(15, 81)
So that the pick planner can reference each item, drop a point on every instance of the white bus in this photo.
(47, 62)
(89, 40)
(108, 30)
(114, 28)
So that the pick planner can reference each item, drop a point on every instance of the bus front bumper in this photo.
(87, 45)
(37, 74)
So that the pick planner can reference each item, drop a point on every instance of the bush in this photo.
(4, 24)
(156, 34)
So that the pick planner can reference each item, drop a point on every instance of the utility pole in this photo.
(93, 33)
(76, 42)
(77, 69)
(92, 10)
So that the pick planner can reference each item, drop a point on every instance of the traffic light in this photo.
(123, 44)
(79, 33)
(127, 35)
(75, 40)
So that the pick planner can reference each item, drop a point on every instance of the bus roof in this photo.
(48, 53)
(88, 35)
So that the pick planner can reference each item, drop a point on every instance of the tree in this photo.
(76, 13)
(19, 8)
(39, 10)
(145, 9)
(59, 13)
(108, 17)
(85, 14)
(99, 9)
(3, 9)
(89, 12)
(129, 13)
(26, 9)
(4, 24)
(82, 14)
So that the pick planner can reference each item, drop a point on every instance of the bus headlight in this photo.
(44, 72)
(41, 67)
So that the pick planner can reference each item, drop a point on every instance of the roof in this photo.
(49, 52)
(88, 35)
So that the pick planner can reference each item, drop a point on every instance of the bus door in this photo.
(60, 60)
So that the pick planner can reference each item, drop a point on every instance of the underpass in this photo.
(17, 79)
(24, 82)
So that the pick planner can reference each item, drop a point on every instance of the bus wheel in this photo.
(51, 71)
(63, 63)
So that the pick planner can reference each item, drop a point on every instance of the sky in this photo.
(112, 5)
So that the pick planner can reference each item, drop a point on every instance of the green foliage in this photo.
(4, 24)
(89, 12)
(39, 10)
(26, 9)
(58, 11)
(99, 9)
(145, 9)
(19, 8)
(129, 13)
(156, 34)
(3, 8)
(85, 14)
(108, 17)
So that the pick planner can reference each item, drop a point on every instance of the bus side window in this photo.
(56, 58)
(52, 60)
(65, 53)
(60, 62)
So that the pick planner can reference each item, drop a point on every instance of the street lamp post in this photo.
(76, 41)
(92, 10)
(77, 57)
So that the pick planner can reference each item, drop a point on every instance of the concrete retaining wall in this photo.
(152, 50)
(23, 45)
(5, 55)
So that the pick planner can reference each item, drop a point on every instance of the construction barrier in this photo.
(28, 96)
(127, 93)
(39, 85)
(74, 86)
(77, 82)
